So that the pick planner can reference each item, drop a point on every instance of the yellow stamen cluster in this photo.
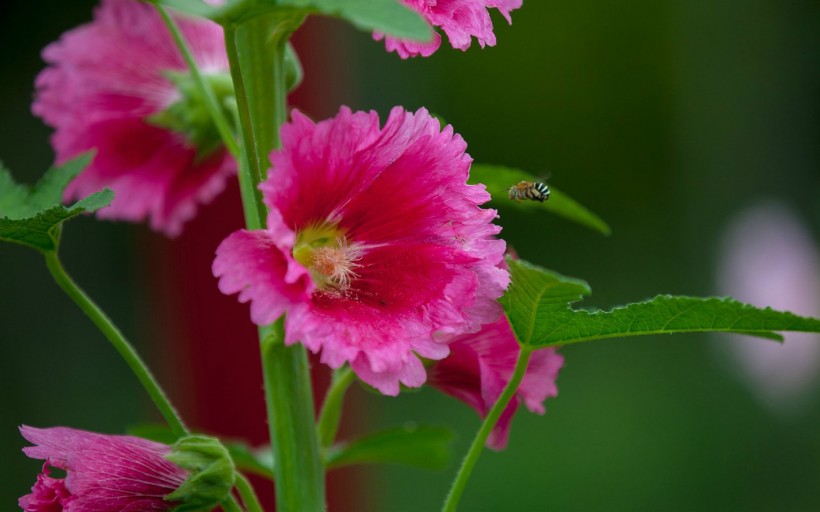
(323, 249)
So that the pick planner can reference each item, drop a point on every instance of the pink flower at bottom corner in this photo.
(481, 364)
(103, 472)
(461, 20)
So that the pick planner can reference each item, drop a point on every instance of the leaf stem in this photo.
(247, 493)
(460, 482)
(121, 345)
(211, 104)
(331, 413)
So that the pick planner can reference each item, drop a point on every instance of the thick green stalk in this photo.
(121, 345)
(331, 412)
(211, 104)
(451, 503)
(256, 51)
(298, 471)
(250, 169)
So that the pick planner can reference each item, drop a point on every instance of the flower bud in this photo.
(211, 473)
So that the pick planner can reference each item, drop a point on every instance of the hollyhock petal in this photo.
(382, 225)
(248, 263)
(103, 472)
(47, 495)
(480, 366)
(387, 382)
(104, 80)
(769, 258)
(461, 20)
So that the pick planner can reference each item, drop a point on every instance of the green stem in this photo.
(211, 104)
(331, 412)
(451, 503)
(121, 345)
(230, 505)
(255, 211)
(298, 471)
(247, 494)
(110, 331)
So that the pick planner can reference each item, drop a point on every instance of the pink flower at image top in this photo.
(103, 473)
(112, 86)
(461, 20)
(375, 248)
(480, 366)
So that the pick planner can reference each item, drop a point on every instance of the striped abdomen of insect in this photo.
(532, 190)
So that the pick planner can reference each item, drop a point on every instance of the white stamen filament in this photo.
(336, 264)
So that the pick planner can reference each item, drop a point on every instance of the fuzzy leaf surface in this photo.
(539, 307)
(498, 179)
(32, 216)
(387, 16)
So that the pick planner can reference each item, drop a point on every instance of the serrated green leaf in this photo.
(388, 16)
(425, 447)
(32, 216)
(498, 179)
(12, 195)
(538, 305)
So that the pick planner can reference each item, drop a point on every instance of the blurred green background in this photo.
(664, 117)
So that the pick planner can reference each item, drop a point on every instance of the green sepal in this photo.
(498, 179)
(293, 68)
(211, 473)
(538, 304)
(421, 446)
(33, 216)
(189, 115)
(257, 461)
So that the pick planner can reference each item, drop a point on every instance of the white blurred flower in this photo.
(768, 258)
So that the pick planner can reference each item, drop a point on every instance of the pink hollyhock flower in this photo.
(769, 258)
(375, 246)
(459, 19)
(103, 472)
(481, 364)
(109, 87)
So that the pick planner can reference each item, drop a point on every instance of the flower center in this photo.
(324, 250)
(189, 114)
